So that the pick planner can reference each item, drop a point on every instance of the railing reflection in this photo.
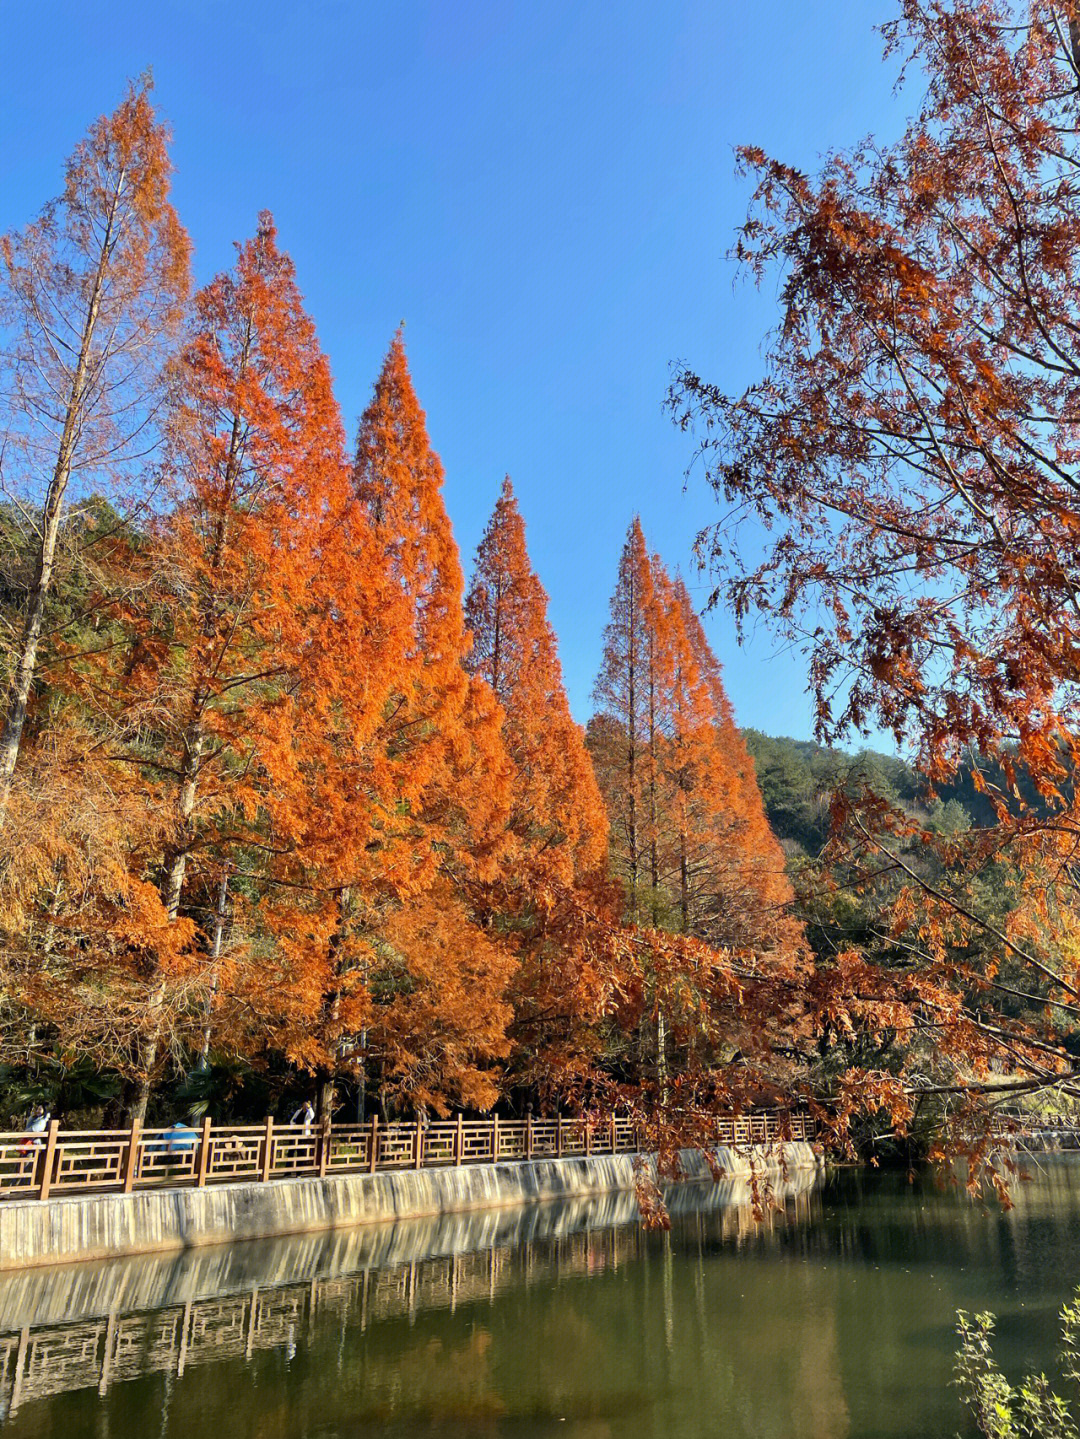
(356, 1278)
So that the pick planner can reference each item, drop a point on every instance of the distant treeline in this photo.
(798, 779)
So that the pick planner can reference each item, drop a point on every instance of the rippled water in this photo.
(832, 1320)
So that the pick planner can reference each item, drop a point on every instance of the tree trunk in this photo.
(684, 879)
(631, 757)
(661, 1055)
(176, 864)
(138, 1099)
(654, 821)
(361, 1080)
(215, 955)
(332, 1007)
(194, 740)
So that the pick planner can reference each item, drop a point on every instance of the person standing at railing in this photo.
(180, 1141)
(37, 1123)
(300, 1154)
(305, 1115)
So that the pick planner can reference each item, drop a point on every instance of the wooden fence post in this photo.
(494, 1139)
(614, 1136)
(47, 1159)
(459, 1139)
(528, 1135)
(418, 1157)
(326, 1138)
(588, 1136)
(558, 1135)
(131, 1158)
(373, 1157)
(204, 1154)
(268, 1149)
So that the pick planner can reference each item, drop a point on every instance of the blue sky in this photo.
(544, 193)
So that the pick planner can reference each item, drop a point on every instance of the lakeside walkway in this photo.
(64, 1162)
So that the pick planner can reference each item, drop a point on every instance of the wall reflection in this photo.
(94, 1326)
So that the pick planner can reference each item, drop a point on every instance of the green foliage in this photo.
(1030, 1410)
(226, 1086)
(77, 1092)
(799, 778)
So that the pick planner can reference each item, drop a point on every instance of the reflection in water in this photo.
(165, 1313)
(832, 1320)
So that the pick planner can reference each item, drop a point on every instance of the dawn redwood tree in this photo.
(254, 460)
(715, 872)
(550, 893)
(332, 855)
(438, 785)
(81, 917)
(441, 1034)
(392, 796)
(703, 792)
(558, 816)
(619, 732)
(911, 452)
(626, 739)
(91, 297)
(446, 724)
(744, 895)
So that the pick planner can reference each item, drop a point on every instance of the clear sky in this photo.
(544, 193)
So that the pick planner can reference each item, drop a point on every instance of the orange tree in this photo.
(409, 988)
(911, 453)
(713, 960)
(91, 298)
(220, 620)
(550, 891)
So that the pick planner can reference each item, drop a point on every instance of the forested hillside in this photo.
(798, 779)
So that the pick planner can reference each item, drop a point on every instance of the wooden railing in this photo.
(122, 1160)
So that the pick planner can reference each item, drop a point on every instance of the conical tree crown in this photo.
(255, 459)
(620, 692)
(756, 861)
(444, 730)
(620, 731)
(399, 478)
(558, 815)
(690, 839)
(406, 795)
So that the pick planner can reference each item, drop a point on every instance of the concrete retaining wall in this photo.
(97, 1226)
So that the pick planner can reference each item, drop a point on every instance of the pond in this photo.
(832, 1319)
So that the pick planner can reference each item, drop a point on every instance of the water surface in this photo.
(833, 1319)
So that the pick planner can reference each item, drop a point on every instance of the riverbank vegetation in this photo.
(288, 804)
(1031, 1409)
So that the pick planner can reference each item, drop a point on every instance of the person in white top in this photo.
(37, 1123)
(305, 1115)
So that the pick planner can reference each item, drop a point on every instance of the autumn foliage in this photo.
(693, 848)
(288, 806)
(911, 448)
